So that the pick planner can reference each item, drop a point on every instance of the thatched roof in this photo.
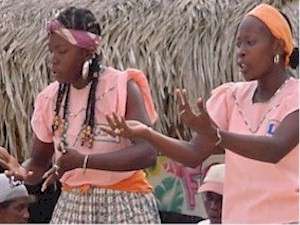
(177, 43)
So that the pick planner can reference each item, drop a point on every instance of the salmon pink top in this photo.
(111, 96)
(255, 191)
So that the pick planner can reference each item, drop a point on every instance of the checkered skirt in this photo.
(99, 205)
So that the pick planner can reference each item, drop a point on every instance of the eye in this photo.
(251, 42)
(62, 51)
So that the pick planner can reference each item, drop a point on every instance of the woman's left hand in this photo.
(70, 160)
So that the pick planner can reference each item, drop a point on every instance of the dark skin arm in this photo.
(263, 148)
(134, 157)
(190, 154)
(40, 160)
(137, 156)
(32, 169)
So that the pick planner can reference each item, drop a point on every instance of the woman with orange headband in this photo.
(256, 124)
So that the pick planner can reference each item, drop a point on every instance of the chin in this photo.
(248, 77)
(61, 81)
(59, 78)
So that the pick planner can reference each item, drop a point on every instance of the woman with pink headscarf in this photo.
(101, 176)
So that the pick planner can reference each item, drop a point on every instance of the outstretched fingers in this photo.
(18, 175)
(117, 120)
(108, 130)
(49, 180)
(200, 104)
(117, 125)
(183, 103)
(50, 176)
(181, 98)
(4, 155)
(49, 172)
(3, 163)
(202, 107)
(110, 121)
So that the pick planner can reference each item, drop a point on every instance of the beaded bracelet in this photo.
(85, 161)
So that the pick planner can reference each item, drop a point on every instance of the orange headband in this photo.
(277, 24)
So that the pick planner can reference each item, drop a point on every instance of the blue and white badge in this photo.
(271, 127)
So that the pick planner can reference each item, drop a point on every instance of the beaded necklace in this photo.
(61, 124)
(261, 121)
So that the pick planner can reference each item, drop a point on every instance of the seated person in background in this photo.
(14, 200)
(212, 193)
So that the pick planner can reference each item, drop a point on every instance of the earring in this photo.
(85, 69)
(276, 58)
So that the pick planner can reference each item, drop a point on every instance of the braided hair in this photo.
(79, 19)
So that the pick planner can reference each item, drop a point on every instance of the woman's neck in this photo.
(268, 85)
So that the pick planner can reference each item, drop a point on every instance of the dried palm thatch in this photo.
(177, 43)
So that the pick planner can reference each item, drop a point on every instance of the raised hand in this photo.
(128, 129)
(187, 116)
(201, 122)
(13, 169)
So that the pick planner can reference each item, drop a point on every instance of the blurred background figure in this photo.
(212, 193)
(14, 201)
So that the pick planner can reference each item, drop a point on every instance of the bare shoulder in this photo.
(135, 106)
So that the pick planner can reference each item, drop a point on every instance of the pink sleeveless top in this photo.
(254, 191)
(111, 96)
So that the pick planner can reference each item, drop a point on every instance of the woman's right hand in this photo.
(130, 129)
(13, 169)
(201, 122)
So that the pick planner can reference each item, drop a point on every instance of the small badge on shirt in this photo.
(271, 127)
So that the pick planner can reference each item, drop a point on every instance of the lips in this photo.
(55, 70)
(242, 67)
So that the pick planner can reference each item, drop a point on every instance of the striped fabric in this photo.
(99, 205)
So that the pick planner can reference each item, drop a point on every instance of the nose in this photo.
(52, 59)
(241, 52)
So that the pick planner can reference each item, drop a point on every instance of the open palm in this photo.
(12, 165)
(201, 122)
(128, 129)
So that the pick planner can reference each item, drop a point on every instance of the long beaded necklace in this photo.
(61, 124)
(261, 121)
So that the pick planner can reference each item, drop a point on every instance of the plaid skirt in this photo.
(99, 205)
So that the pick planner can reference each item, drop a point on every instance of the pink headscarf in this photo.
(81, 39)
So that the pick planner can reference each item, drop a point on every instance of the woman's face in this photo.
(255, 48)
(66, 59)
